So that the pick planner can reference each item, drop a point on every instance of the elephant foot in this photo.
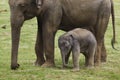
(103, 60)
(89, 67)
(66, 61)
(15, 66)
(97, 63)
(39, 63)
(64, 66)
(75, 69)
(48, 64)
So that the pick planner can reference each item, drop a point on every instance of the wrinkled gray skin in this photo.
(58, 14)
(77, 40)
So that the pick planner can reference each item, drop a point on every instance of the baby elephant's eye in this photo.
(66, 43)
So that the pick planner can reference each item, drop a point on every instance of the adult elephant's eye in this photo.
(12, 7)
(21, 5)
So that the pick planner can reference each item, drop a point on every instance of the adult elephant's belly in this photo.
(70, 22)
(77, 13)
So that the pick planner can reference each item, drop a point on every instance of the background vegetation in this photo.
(27, 71)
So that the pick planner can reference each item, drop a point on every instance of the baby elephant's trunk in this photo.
(63, 60)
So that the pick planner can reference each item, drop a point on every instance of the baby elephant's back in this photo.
(84, 34)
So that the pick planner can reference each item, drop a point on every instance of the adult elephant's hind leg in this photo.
(39, 46)
(100, 30)
(103, 54)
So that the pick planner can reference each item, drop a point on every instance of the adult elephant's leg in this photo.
(51, 21)
(39, 45)
(100, 29)
(99, 51)
(48, 37)
(103, 54)
(97, 54)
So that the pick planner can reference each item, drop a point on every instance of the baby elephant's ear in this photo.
(71, 39)
(72, 36)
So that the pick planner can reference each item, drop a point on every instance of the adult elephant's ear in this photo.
(39, 3)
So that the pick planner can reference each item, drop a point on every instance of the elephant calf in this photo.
(78, 41)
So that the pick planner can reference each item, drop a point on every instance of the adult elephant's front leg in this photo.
(48, 38)
(39, 44)
(51, 21)
(39, 50)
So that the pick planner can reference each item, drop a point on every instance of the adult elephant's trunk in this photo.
(17, 20)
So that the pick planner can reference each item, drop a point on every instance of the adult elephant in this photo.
(59, 14)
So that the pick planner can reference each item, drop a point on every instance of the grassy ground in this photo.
(27, 71)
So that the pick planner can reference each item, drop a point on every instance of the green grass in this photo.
(27, 71)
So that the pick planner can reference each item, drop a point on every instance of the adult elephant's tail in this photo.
(113, 24)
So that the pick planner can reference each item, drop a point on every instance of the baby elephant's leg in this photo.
(67, 57)
(75, 57)
(90, 56)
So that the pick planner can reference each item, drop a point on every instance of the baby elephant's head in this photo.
(65, 44)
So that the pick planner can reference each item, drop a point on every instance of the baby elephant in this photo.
(78, 41)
